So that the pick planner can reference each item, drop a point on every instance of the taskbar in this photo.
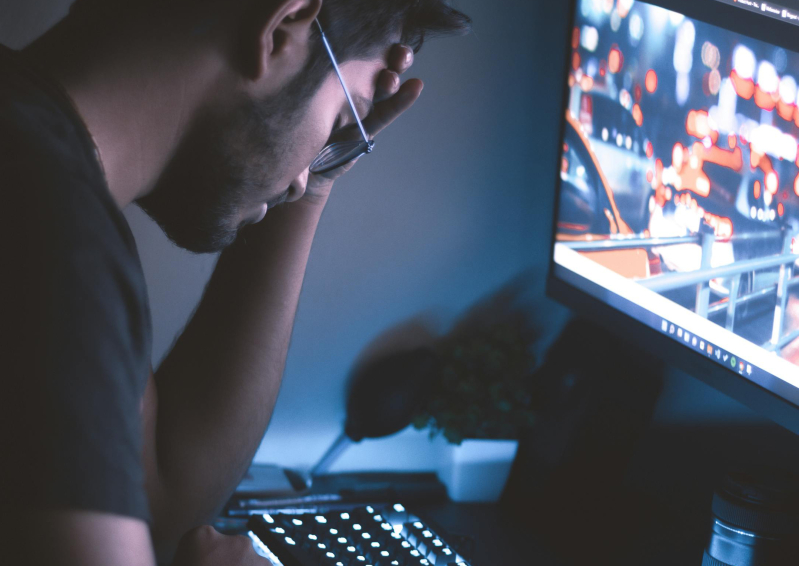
(770, 9)
(676, 328)
(712, 351)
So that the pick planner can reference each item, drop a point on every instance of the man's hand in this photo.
(392, 99)
(204, 546)
(208, 405)
(71, 537)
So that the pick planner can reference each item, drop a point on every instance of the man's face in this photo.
(237, 162)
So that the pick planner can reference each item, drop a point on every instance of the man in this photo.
(207, 113)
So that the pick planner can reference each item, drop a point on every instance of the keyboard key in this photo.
(396, 514)
(358, 536)
(443, 556)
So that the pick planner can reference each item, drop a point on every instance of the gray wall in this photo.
(454, 203)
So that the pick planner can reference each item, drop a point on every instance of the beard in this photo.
(228, 161)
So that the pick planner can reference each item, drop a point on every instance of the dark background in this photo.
(456, 202)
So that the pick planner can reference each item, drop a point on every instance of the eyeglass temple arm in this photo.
(341, 80)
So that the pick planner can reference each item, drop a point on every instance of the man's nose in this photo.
(298, 186)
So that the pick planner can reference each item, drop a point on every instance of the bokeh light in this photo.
(651, 82)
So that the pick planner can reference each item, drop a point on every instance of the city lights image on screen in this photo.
(679, 175)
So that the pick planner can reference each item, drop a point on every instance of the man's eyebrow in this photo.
(363, 102)
(360, 103)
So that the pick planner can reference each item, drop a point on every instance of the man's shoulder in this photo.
(36, 115)
(52, 181)
(62, 234)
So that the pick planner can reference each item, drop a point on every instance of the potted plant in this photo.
(481, 403)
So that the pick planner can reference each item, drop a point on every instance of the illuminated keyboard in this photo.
(380, 535)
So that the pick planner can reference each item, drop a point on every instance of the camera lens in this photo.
(755, 520)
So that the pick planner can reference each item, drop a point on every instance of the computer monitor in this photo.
(677, 213)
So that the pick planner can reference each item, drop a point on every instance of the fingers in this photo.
(388, 83)
(205, 546)
(392, 99)
(388, 110)
(400, 59)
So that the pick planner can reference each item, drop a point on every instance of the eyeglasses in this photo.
(340, 153)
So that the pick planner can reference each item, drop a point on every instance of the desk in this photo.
(660, 508)
(498, 541)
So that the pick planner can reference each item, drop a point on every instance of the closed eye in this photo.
(349, 123)
(342, 127)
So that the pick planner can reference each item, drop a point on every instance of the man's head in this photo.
(248, 147)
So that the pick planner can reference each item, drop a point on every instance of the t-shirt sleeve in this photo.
(75, 351)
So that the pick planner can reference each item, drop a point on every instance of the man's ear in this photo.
(277, 35)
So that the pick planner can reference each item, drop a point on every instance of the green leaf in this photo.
(420, 422)
(453, 436)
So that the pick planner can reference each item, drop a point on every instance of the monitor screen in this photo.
(678, 199)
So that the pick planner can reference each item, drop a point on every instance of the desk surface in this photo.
(498, 541)
(660, 517)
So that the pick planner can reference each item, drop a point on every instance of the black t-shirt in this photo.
(75, 329)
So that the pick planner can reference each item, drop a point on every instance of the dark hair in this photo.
(360, 28)
(357, 29)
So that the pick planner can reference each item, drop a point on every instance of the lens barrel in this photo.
(755, 520)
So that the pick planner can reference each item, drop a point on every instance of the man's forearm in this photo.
(72, 537)
(217, 387)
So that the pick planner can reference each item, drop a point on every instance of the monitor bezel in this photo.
(758, 398)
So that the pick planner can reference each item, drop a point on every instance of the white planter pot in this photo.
(477, 470)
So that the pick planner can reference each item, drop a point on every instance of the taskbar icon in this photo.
(710, 350)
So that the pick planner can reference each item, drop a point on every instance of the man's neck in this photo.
(136, 100)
